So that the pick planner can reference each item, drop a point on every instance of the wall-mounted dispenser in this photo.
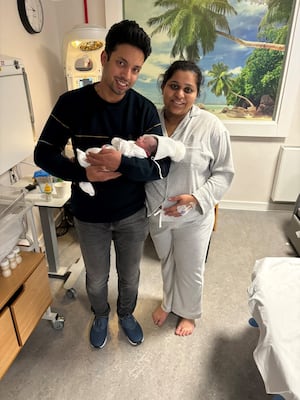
(82, 48)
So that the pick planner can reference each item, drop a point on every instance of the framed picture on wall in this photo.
(241, 48)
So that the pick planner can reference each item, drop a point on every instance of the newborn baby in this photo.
(154, 146)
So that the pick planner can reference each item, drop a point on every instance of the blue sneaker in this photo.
(132, 329)
(98, 333)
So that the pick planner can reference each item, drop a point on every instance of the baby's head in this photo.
(148, 143)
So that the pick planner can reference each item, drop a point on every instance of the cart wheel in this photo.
(71, 293)
(58, 323)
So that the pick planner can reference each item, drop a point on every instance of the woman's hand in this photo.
(184, 204)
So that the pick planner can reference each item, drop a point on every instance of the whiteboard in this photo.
(16, 133)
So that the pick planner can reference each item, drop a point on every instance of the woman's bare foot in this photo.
(159, 316)
(185, 327)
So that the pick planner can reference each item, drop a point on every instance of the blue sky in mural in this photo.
(244, 26)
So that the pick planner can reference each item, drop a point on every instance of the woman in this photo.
(181, 206)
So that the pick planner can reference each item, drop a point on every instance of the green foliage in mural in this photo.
(259, 77)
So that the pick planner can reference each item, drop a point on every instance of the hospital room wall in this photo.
(255, 158)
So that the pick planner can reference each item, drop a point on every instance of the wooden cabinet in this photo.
(9, 346)
(24, 298)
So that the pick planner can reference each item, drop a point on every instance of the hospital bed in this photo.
(274, 302)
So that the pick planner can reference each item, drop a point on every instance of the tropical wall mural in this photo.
(239, 45)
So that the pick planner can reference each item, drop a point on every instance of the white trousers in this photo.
(181, 247)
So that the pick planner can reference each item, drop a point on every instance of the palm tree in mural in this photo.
(221, 82)
(191, 22)
(279, 13)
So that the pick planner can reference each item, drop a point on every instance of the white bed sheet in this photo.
(274, 301)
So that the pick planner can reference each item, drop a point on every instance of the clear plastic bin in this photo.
(13, 206)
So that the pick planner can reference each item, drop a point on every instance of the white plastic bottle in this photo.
(12, 260)
(17, 253)
(5, 269)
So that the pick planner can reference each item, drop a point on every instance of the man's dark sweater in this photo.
(89, 121)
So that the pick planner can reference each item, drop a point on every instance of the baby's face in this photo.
(146, 142)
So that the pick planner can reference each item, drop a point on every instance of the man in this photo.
(91, 117)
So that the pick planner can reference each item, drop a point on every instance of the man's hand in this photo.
(108, 159)
(96, 174)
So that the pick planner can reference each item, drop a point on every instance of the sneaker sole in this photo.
(134, 343)
(99, 347)
(130, 341)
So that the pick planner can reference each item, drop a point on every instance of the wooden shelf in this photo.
(24, 298)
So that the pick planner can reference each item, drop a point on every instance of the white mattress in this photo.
(274, 301)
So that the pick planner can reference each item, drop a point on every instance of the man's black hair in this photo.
(127, 32)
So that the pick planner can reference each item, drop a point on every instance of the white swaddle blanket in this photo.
(81, 156)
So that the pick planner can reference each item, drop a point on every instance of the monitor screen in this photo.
(84, 82)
